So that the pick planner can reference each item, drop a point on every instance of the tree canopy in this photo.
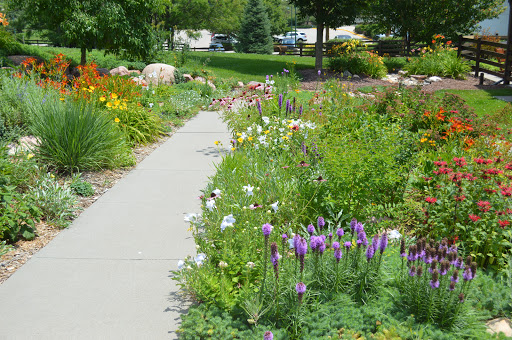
(419, 20)
(254, 34)
(113, 25)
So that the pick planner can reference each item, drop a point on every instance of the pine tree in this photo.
(254, 34)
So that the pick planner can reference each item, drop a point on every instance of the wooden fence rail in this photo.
(487, 53)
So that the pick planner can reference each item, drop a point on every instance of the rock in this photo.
(159, 74)
(212, 85)
(434, 79)
(419, 77)
(102, 71)
(18, 59)
(347, 74)
(134, 71)
(392, 78)
(403, 73)
(25, 144)
(187, 77)
(200, 79)
(356, 77)
(410, 82)
(240, 84)
(499, 325)
(120, 71)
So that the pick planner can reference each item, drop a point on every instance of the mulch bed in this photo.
(311, 81)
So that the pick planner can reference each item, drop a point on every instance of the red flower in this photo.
(460, 198)
(460, 161)
(474, 218)
(484, 206)
(431, 200)
(503, 224)
(440, 163)
(428, 178)
(506, 191)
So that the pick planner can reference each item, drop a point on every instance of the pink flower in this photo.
(431, 200)
(460, 198)
(484, 206)
(503, 224)
(440, 163)
(474, 218)
(460, 161)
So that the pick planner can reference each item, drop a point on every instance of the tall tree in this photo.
(254, 34)
(113, 25)
(333, 13)
(419, 20)
(276, 15)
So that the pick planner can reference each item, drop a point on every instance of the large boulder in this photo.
(16, 60)
(159, 74)
(120, 71)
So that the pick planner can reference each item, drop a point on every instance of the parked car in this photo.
(216, 47)
(344, 37)
(222, 39)
(301, 37)
(380, 36)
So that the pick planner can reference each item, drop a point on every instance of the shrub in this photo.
(346, 57)
(72, 137)
(55, 202)
(254, 34)
(81, 187)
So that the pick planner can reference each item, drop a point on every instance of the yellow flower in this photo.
(91, 87)
(62, 99)
(249, 138)
(238, 134)
(423, 140)
(290, 133)
(240, 140)
(113, 95)
(30, 155)
(102, 98)
(109, 104)
(232, 149)
(216, 142)
(266, 131)
(52, 175)
(117, 120)
(285, 137)
(117, 102)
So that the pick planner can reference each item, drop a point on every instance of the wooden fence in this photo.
(487, 53)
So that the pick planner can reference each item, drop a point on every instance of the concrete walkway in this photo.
(108, 275)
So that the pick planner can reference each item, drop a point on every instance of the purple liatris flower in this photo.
(467, 276)
(452, 286)
(274, 258)
(353, 224)
(445, 266)
(358, 228)
(301, 289)
(300, 110)
(433, 266)
(412, 253)
(321, 247)
(302, 249)
(296, 240)
(288, 106)
(412, 271)
(336, 245)
(284, 238)
(370, 251)
(311, 229)
(361, 238)
(259, 107)
(455, 276)
(321, 223)
(337, 254)
(383, 242)
(347, 245)
(280, 100)
(375, 242)
(330, 237)
(267, 229)
(459, 263)
(340, 233)
(434, 283)
(268, 334)
(319, 72)
(313, 242)
(461, 297)
(402, 248)
(419, 271)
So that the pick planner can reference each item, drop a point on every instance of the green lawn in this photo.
(483, 101)
(247, 67)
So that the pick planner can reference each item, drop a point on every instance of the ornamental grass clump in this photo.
(431, 285)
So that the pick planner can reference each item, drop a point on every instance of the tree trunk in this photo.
(326, 33)
(83, 50)
(319, 49)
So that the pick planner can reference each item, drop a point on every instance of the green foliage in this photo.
(394, 64)
(348, 56)
(56, 202)
(443, 63)
(254, 36)
(81, 187)
(5, 248)
(74, 137)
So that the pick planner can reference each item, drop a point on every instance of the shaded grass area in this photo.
(247, 67)
(483, 101)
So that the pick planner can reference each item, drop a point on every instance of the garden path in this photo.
(108, 275)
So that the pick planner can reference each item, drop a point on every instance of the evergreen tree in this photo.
(254, 34)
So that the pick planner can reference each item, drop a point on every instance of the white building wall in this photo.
(498, 25)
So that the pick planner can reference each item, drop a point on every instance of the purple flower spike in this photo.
(353, 224)
(267, 229)
(347, 245)
(319, 72)
(336, 245)
(288, 106)
(383, 242)
(358, 228)
(302, 246)
(284, 237)
(467, 275)
(301, 289)
(412, 271)
(340, 233)
(311, 229)
(434, 283)
(337, 254)
(321, 223)
(300, 110)
(375, 242)
(370, 252)
(330, 237)
(259, 107)
(268, 334)
(280, 102)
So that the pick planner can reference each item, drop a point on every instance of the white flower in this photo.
(266, 120)
(249, 129)
(191, 217)
(223, 264)
(227, 221)
(199, 259)
(153, 91)
(394, 235)
(210, 204)
(248, 189)
(150, 105)
(259, 129)
(181, 264)
(216, 192)
(290, 243)
(244, 135)
(274, 206)
(141, 77)
(250, 265)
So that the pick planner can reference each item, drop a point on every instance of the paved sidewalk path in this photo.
(108, 275)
